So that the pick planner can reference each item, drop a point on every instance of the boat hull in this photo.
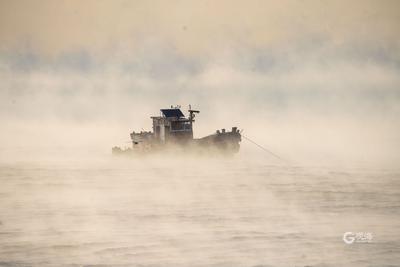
(218, 143)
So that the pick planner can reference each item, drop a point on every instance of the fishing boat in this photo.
(172, 131)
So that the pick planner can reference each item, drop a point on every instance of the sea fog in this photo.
(329, 110)
(185, 211)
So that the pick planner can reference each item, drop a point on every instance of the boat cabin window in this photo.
(180, 126)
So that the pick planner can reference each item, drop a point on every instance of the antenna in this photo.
(191, 115)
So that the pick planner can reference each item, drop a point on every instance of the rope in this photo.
(263, 148)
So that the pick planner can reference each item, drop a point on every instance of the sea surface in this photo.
(196, 212)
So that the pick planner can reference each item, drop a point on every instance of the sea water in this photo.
(196, 212)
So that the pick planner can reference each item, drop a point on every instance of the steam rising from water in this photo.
(311, 101)
(330, 109)
(198, 212)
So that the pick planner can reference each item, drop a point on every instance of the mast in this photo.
(191, 117)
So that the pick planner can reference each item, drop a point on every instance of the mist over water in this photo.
(318, 87)
(65, 201)
(309, 100)
(182, 211)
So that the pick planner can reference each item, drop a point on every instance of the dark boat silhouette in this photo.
(172, 131)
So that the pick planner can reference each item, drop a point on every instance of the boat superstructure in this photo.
(172, 130)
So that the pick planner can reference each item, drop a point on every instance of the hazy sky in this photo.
(52, 27)
(286, 71)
